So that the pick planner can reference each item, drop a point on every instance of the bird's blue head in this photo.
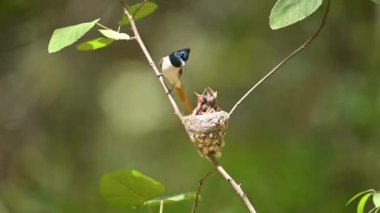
(179, 58)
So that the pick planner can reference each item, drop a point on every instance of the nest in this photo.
(207, 125)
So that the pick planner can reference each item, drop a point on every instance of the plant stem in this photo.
(199, 189)
(161, 206)
(232, 183)
(291, 55)
(152, 64)
(102, 26)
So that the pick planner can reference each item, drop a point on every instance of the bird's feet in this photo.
(169, 90)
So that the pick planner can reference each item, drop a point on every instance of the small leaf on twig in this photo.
(94, 44)
(112, 34)
(287, 12)
(145, 10)
(171, 199)
(66, 36)
(129, 188)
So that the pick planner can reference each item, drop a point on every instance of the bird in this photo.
(171, 69)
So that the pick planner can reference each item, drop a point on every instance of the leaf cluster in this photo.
(66, 36)
(284, 13)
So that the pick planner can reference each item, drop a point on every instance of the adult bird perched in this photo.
(171, 67)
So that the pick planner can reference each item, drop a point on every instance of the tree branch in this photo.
(152, 64)
(290, 56)
(236, 187)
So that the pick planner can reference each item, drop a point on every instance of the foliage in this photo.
(94, 44)
(130, 188)
(143, 9)
(112, 34)
(365, 195)
(284, 13)
(66, 36)
(288, 12)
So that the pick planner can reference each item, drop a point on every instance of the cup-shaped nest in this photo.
(207, 131)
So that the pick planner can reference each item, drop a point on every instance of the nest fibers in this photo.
(207, 125)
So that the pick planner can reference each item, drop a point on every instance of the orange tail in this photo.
(182, 95)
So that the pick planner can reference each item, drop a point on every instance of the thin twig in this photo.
(152, 64)
(291, 55)
(199, 189)
(232, 183)
(102, 26)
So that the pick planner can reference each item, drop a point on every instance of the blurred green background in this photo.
(305, 141)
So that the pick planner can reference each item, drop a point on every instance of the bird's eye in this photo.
(184, 55)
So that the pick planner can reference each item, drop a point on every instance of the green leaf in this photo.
(94, 44)
(128, 188)
(376, 199)
(112, 34)
(66, 36)
(171, 199)
(371, 191)
(287, 12)
(376, 1)
(147, 9)
(362, 202)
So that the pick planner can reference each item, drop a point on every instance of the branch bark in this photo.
(236, 187)
(137, 37)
